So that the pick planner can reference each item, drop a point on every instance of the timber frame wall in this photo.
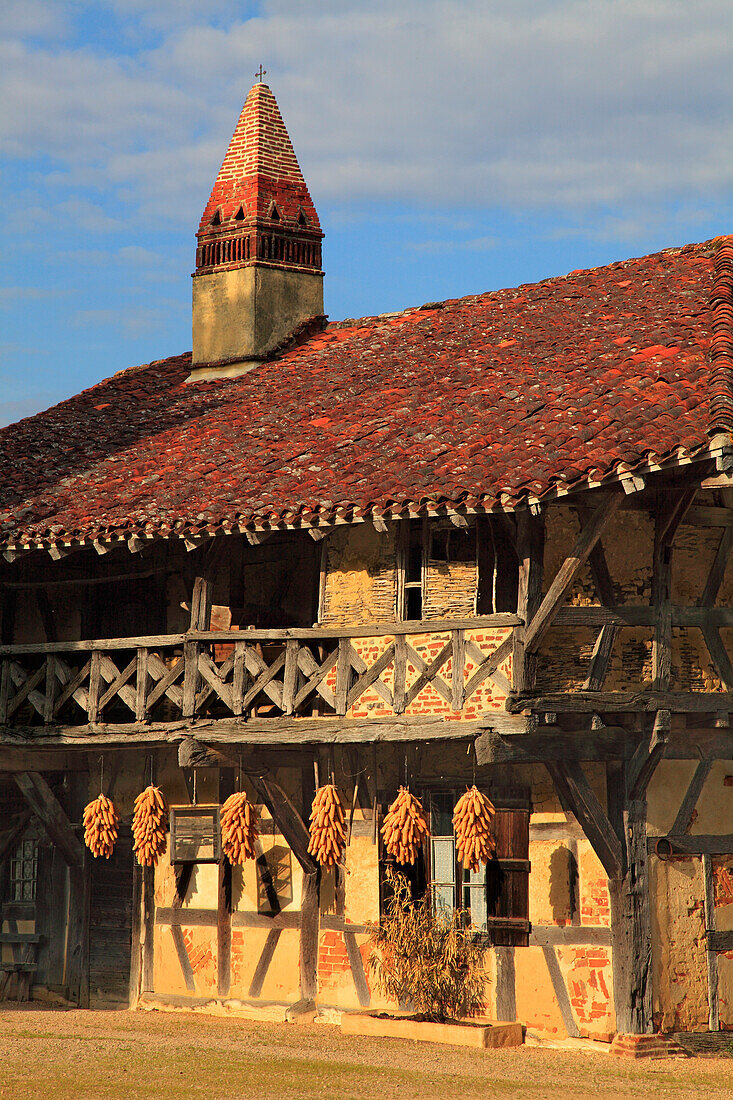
(58, 698)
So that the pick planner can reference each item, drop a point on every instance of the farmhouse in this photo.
(483, 540)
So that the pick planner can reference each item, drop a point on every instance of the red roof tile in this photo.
(486, 399)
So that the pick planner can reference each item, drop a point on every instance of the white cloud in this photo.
(9, 295)
(130, 321)
(462, 103)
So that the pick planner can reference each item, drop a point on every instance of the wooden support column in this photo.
(148, 930)
(631, 934)
(136, 950)
(77, 956)
(530, 551)
(224, 904)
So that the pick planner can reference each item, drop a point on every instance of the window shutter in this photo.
(507, 880)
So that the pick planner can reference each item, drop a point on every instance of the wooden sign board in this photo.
(195, 834)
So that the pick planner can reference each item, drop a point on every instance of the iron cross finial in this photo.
(260, 73)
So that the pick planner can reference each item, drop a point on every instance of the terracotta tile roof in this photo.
(478, 402)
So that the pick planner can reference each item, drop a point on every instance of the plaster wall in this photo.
(244, 312)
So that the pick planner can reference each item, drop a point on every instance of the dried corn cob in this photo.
(327, 829)
(239, 828)
(100, 826)
(149, 826)
(405, 827)
(472, 819)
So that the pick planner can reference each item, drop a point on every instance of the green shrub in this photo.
(430, 961)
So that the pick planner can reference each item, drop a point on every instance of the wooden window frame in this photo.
(512, 930)
(403, 549)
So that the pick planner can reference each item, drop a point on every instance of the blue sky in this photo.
(451, 147)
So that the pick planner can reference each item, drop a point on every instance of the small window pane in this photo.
(413, 609)
(475, 878)
(444, 900)
(475, 900)
(443, 861)
(441, 807)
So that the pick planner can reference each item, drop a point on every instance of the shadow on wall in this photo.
(563, 885)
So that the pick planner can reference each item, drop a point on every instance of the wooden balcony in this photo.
(447, 669)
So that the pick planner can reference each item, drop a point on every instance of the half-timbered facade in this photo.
(485, 539)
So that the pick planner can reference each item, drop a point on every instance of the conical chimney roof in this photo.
(260, 172)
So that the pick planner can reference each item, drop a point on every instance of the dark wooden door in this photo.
(110, 927)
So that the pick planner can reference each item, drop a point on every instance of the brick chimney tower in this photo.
(258, 261)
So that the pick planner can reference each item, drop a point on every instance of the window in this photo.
(428, 548)
(497, 896)
(412, 569)
(24, 870)
(498, 566)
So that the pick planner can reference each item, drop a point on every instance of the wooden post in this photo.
(4, 691)
(712, 955)
(95, 685)
(309, 931)
(239, 677)
(148, 959)
(290, 675)
(400, 674)
(136, 949)
(631, 932)
(142, 681)
(530, 550)
(190, 677)
(224, 928)
(343, 672)
(77, 958)
(506, 995)
(459, 664)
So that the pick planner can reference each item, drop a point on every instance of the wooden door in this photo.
(110, 927)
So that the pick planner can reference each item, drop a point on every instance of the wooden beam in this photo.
(568, 572)
(573, 787)
(594, 702)
(287, 819)
(11, 835)
(77, 950)
(561, 992)
(224, 929)
(717, 569)
(286, 732)
(648, 755)
(148, 930)
(673, 513)
(631, 921)
(712, 957)
(683, 819)
(530, 552)
(48, 809)
(136, 945)
(712, 844)
(506, 984)
(309, 933)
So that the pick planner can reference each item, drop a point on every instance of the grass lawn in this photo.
(73, 1055)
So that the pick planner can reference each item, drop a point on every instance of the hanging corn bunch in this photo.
(472, 819)
(327, 830)
(149, 826)
(405, 827)
(239, 828)
(100, 826)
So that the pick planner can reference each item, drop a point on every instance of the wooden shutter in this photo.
(507, 879)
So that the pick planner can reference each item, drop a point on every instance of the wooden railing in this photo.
(293, 672)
